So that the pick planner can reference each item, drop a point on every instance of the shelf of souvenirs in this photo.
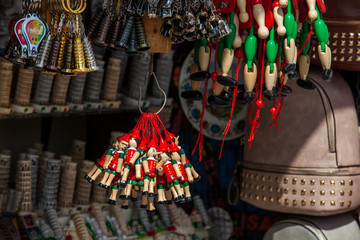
(82, 110)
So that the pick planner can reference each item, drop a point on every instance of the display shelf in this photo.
(121, 109)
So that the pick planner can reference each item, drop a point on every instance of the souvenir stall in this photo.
(179, 119)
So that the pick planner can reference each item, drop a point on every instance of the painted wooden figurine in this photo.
(133, 144)
(101, 164)
(115, 164)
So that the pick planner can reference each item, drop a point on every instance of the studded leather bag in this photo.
(312, 166)
(343, 21)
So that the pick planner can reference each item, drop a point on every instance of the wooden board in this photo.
(158, 43)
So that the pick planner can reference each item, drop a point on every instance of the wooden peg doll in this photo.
(313, 14)
(113, 169)
(322, 34)
(149, 165)
(160, 185)
(140, 151)
(304, 59)
(114, 189)
(101, 164)
(198, 70)
(171, 175)
(271, 69)
(139, 171)
(289, 42)
(133, 144)
(250, 70)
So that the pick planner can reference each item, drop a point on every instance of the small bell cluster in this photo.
(119, 28)
(147, 162)
(194, 20)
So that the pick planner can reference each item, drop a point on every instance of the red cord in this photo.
(232, 107)
(306, 41)
(200, 137)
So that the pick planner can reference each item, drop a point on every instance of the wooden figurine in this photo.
(160, 185)
(243, 15)
(100, 165)
(250, 69)
(279, 18)
(115, 188)
(289, 42)
(149, 165)
(271, 69)
(133, 144)
(113, 168)
(259, 15)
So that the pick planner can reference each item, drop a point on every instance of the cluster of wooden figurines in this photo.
(145, 161)
(263, 37)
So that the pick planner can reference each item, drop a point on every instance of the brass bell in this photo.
(67, 68)
(211, 26)
(201, 23)
(89, 55)
(44, 52)
(132, 41)
(91, 31)
(60, 60)
(223, 28)
(53, 56)
(189, 22)
(124, 37)
(114, 34)
(80, 64)
(141, 43)
(103, 31)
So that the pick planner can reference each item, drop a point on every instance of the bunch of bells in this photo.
(63, 47)
(193, 20)
(119, 25)
(145, 161)
(270, 30)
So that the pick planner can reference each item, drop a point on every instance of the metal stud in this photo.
(278, 178)
(312, 192)
(270, 179)
(342, 51)
(322, 182)
(342, 193)
(270, 189)
(322, 203)
(295, 202)
(332, 193)
(342, 203)
(351, 182)
(312, 203)
(350, 192)
(257, 177)
(351, 43)
(332, 203)
(247, 175)
(242, 184)
(257, 197)
(342, 59)
(286, 180)
(334, 43)
(303, 191)
(264, 198)
(251, 196)
(303, 202)
(247, 185)
(257, 187)
(349, 59)
(252, 176)
(343, 42)
(343, 35)
(263, 188)
(263, 178)
(245, 195)
(279, 200)
(342, 182)
(294, 180)
(286, 190)
(303, 181)
(351, 35)
(357, 52)
(294, 191)
(335, 35)
(312, 182)
(349, 204)
(287, 201)
(350, 51)
(322, 192)
(271, 199)
(278, 190)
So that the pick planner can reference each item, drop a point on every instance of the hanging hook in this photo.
(148, 74)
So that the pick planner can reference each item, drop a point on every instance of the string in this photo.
(306, 41)
(232, 107)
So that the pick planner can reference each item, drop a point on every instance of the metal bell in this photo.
(60, 60)
(189, 22)
(91, 31)
(114, 34)
(89, 55)
(103, 31)
(201, 23)
(141, 43)
(132, 41)
(166, 9)
(123, 38)
(44, 51)
(211, 26)
(53, 56)
(223, 28)
(67, 68)
(80, 64)
(166, 28)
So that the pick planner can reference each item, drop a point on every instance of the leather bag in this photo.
(312, 166)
